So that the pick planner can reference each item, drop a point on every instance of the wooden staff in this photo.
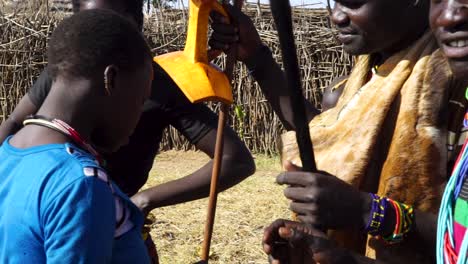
(218, 156)
(281, 11)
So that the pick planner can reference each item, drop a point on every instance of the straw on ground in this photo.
(243, 212)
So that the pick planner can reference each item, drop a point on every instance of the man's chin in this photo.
(355, 49)
(459, 69)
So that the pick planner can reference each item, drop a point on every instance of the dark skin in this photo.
(448, 20)
(366, 27)
(248, 44)
(237, 161)
(311, 191)
(289, 242)
(313, 194)
(91, 107)
(381, 27)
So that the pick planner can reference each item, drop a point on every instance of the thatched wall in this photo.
(23, 38)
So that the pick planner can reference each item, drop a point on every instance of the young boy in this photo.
(57, 203)
(167, 106)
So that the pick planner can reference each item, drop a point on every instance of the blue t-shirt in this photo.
(55, 209)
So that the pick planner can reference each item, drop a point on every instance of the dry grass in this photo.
(242, 213)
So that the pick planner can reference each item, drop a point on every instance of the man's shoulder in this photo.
(70, 167)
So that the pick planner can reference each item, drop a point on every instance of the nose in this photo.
(452, 16)
(338, 16)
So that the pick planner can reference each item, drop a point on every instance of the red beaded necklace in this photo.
(64, 128)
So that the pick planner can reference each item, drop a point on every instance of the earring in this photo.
(106, 86)
(106, 83)
(416, 2)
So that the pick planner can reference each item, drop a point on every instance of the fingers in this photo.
(297, 178)
(224, 29)
(302, 194)
(218, 18)
(222, 42)
(223, 36)
(270, 235)
(304, 208)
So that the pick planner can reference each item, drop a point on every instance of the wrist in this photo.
(142, 201)
(366, 208)
(256, 62)
(250, 56)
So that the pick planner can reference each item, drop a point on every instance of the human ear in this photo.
(110, 75)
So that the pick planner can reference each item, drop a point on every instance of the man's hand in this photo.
(321, 199)
(244, 34)
(141, 201)
(298, 243)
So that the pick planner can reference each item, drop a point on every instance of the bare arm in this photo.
(272, 82)
(15, 121)
(260, 62)
(237, 164)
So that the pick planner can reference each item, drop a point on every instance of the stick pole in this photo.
(217, 162)
(218, 157)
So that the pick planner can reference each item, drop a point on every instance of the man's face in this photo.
(370, 26)
(449, 22)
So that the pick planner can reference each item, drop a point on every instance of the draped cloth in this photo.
(387, 135)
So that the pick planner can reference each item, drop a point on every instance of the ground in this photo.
(242, 213)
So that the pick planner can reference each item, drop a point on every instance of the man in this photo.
(386, 124)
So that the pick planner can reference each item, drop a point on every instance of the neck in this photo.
(412, 37)
(68, 100)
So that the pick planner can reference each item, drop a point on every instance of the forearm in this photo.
(194, 186)
(424, 230)
(272, 82)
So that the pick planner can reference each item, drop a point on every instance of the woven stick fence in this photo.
(23, 43)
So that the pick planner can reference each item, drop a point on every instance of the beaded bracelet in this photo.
(377, 215)
(404, 221)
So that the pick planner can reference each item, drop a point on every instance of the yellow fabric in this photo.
(387, 135)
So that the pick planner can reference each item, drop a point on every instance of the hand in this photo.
(141, 201)
(321, 199)
(297, 243)
(244, 34)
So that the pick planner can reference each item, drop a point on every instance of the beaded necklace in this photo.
(64, 128)
(446, 253)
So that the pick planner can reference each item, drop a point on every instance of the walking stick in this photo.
(281, 11)
(200, 82)
(217, 161)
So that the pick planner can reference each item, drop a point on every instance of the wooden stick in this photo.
(281, 11)
(217, 162)
(218, 157)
